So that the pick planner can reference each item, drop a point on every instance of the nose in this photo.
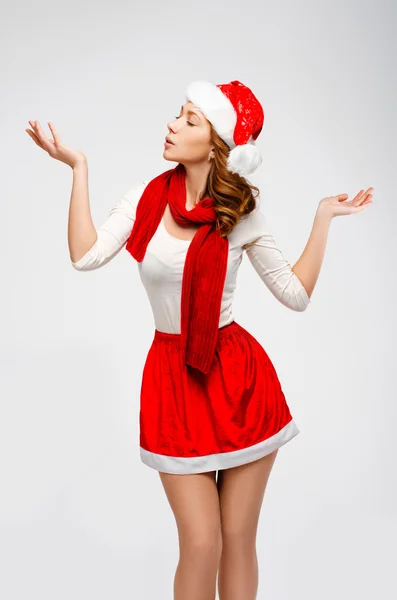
(172, 126)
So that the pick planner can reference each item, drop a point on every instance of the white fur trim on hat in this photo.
(216, 107)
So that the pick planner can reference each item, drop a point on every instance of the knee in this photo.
(202, 545)
(238, 536)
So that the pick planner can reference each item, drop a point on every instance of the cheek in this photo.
(198, 144)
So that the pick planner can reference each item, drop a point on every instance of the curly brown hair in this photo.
(233, 195)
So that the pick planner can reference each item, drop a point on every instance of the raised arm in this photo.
(89, 248)
(113, 234)
(293, 286)
(271, 265)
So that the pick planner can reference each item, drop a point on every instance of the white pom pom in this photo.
(244, 159)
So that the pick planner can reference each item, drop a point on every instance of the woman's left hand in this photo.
(334, 206)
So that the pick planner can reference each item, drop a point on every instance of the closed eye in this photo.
(188, 122)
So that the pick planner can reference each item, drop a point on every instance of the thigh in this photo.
(241, 490)
(194, 501)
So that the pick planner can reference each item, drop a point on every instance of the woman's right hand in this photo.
(55, 148)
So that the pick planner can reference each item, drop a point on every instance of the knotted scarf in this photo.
(205, 265)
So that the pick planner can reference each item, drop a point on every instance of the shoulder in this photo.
(129, 200)
(133, 193)
(250, 227)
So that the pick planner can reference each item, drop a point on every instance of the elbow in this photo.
(77, 267)
(301, 298)
(290, 291)
(92, 260)
(85, 263)
(298, 301)
(300, 307)
(302, 303)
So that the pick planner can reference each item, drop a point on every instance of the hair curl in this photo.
(233, 195)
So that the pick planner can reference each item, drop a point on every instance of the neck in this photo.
(196, 182)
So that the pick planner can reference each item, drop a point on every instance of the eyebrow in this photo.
(191, 112)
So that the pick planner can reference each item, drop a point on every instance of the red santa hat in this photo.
(236, 115)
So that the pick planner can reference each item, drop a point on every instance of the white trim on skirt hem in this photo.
(221, 460)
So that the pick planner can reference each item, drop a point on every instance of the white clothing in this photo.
(162, 267)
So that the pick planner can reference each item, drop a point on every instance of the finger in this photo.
(368, 200)
(54, 132)
(33, 125)
(361, 207)
(40, 134)
(368, 193)
(358, 197)
(341, 197)
(34, 137)
(365, 196)
(361, 197)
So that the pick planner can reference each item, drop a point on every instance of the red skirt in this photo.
(191, 422)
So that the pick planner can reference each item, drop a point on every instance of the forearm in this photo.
(308, 267)
(81, 230)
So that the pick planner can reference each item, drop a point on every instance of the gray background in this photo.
(80, 516)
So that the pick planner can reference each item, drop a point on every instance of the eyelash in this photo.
(188, 122)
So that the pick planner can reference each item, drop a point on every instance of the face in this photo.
(190, 133)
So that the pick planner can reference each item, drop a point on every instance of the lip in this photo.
(168, 141)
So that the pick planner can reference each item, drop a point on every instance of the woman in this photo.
(211, 400)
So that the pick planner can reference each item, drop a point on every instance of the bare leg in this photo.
(241, 492)
(194, 501)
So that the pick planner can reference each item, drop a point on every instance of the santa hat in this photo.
(236, 115)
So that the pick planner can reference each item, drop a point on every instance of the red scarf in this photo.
(205, 267)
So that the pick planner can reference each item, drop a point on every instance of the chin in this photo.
(167, 156)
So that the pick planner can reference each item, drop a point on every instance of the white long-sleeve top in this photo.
(162, 267)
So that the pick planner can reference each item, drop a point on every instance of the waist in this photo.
(225, 330)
